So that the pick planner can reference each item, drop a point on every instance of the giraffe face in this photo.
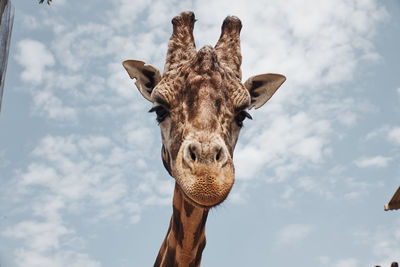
(200, 113)
(200, 104)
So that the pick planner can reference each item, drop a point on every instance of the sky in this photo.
(82, 182)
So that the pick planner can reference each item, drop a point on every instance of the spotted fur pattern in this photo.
(185, 239)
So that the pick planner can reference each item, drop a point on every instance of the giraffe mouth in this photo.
(200, 204)
(205, 185)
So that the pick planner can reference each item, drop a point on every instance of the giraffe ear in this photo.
(147, 76)
(262, 87)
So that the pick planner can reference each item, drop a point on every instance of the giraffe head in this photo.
(201, 103)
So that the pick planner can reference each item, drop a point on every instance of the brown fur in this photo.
(185, 239)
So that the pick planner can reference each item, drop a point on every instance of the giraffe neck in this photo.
(186, 239)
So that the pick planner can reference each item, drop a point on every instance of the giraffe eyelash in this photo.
(161, 112)
(241, 116)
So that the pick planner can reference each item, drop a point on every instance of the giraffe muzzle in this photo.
(204, 171)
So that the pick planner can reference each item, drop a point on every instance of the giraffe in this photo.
(200, 103)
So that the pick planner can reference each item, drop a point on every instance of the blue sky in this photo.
(82, 183)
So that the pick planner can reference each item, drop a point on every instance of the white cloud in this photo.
(238, 194)
(318, 186)
(38, 236)
(382, 242)
(59, 3)
(302, 45)
(47, 102)
(346, 262)
(359, 187)
(75, 175)
(394, 135)
(350, 262)
(78, 48)
(81, 82)
(285, 144)
(79, 167)
(126, 12)
(377, 161)
(293, 233)
(30, 22)
(76, 169)
(35, 57)
(386, 245)
(126, 89)
(377, 132)
(68, 258)
(45, 242)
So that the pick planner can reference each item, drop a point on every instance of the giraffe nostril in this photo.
(192, 155)
(193, 151)
(218, 156)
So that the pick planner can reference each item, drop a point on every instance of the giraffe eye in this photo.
(161, 112)
(241, 116)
